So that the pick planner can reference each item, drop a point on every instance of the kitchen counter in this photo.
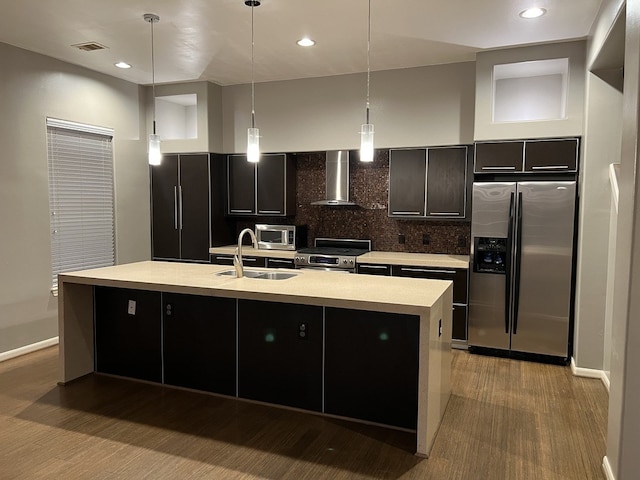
(429, 300)
(247, 250)
(415, 259)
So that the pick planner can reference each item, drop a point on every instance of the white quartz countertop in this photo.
(247, 250)
(362, 292)
(387, 258)
(415, 259)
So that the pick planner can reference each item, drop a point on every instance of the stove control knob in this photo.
(344, 261)
(351, 262)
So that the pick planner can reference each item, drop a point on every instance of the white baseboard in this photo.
(607, 469)
(28, 349)
(590, 373)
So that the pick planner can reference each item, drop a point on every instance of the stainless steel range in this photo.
(331, 254)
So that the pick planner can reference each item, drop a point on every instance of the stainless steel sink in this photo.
(261, 274)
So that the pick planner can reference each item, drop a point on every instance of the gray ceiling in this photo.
(211, 39)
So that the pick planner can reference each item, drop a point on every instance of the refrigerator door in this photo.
(489, 322)
(543, 264)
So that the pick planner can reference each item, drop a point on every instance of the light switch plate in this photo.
(132, 307)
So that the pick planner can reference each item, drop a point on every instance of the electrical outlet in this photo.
(303, 331)
(401, 238)
(425, 239)
(440, 328)
(462, 242)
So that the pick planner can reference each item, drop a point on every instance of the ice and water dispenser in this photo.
(490, 255)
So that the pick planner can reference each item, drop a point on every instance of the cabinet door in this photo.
(241, 185)
(271, 184)
(499, 157)
(164, 209)
(280, 353)
(127, 333)
(193, 215)
(378, 380)
(407, 177)
(551, 155)
(200, 342)
(280, 263)
(446, 182)
(459, 331)
(371, 269)
(458, 276)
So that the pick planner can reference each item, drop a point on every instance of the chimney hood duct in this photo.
(337, 182)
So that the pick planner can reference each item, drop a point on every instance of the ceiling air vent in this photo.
(89, 46)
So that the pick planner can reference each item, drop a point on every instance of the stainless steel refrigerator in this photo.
(522, 268)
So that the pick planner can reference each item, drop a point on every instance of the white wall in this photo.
(410, 107)
(601, 147)
(34, 87)
(572, 125)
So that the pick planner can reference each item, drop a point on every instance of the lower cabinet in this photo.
(280, 353)
(199, 342)
(247, 260)
(371, 366)
(280, 263)
(128, 333)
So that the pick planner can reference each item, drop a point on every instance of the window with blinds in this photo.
(80, 197)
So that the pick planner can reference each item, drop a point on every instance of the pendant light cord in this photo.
(253, 95)
(368, 59)
(153, 77)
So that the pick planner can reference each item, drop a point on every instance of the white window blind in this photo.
(80, 197)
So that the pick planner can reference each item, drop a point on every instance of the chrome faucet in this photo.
(237, 258)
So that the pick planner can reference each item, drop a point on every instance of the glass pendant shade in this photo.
(253, 144)
(155, 157)
(366, 143)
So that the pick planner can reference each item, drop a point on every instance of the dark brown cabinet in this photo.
(264, 189)
(371, 366)
(280, 263)
(554, 155)
(182, 196)
(407, 182)
(199, 342)
(499, 157)
(428, 182)
(128, 333)
(374, 269)
(446, 182)
(280, 353)
(247, 260)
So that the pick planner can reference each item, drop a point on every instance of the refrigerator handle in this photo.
(516, 280)
(507, 282)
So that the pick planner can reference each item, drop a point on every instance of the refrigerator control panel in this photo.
(490, 255)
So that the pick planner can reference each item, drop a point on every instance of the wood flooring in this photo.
(506, 419)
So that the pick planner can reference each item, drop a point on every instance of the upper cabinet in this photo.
(529, 156)
(428, 182)
(266, 188)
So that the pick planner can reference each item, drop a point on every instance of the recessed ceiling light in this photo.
(122, 65)
(306, 42)
(534, 12)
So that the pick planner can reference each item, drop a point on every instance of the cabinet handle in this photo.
(275, 260)
(449, 214)
(375, 267)
(498, 168)
(406, 213)
(175, 207)
(550, 167)
(424, 270)
(224, 258)
(180, 199)
(244, 259)
(269, 211)
(241, 211)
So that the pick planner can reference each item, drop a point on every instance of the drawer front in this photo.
(247, 260)
(280, 263)
(218, 259)
(457, 275)
(374, 269)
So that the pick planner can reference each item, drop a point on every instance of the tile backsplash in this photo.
(369, 188)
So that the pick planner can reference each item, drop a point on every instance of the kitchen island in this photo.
(339, 326)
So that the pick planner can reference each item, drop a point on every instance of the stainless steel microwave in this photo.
(281, 237)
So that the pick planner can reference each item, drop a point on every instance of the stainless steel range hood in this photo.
(337, 182)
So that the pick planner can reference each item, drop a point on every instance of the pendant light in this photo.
(253, 133)
(155, 157)
(366, 132)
